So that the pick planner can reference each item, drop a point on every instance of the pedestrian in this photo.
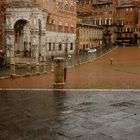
(111, 61)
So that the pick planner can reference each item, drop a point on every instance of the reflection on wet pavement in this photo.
(69, 115)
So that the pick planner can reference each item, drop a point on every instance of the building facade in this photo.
(39, 29)
(104, 12)
(104, 15)
(127, 27)
(89, 36)
(120, 17)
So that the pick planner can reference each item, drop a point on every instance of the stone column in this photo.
(37, 68)
(45, 68)
(9, 44)
(12, 70)
(59, 73)
(52, 66)
(28, 72)
(35, 43)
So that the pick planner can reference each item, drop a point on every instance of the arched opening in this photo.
(22, 42)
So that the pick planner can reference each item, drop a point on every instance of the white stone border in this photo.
(94, 90)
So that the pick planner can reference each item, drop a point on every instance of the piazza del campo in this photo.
(69, 69)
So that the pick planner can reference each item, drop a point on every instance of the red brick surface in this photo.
(123, 73)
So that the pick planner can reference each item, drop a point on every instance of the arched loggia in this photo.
(22, 38)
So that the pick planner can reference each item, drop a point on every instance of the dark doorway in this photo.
(135, 39)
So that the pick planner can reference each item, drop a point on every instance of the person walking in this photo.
(111, 61)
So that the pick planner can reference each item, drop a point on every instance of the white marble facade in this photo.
(34, 36)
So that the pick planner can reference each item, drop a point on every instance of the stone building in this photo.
(88, 34)
(104, 12)
(39, 28)
(127, 23)
(120, 17)
(84, 10)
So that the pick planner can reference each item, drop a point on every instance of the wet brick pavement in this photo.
(69, 115)
(21, 67)
(124, 73)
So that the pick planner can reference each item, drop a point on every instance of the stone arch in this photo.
(23, 28)
(18, 19)
(22, 36)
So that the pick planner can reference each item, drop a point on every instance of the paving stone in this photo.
(35, 115)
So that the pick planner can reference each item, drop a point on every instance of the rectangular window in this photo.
(53, 46)
(71, 46)
(50, 46)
